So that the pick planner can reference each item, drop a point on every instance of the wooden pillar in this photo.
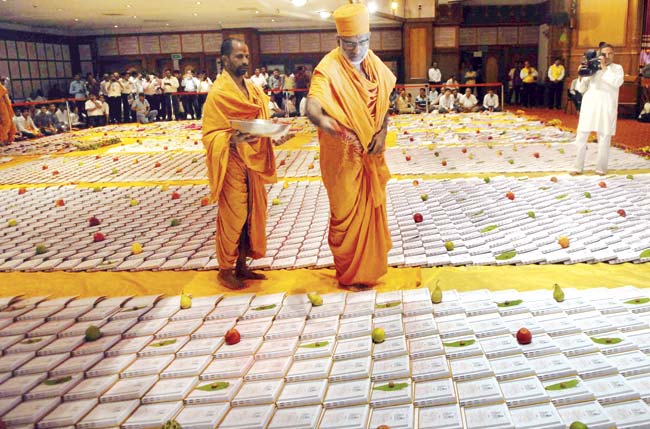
(418, 42)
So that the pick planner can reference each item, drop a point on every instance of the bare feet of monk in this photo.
(575, 173)
(356, 287)
(246, 274)
(229, 280)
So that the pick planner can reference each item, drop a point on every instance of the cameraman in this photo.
(599, 108)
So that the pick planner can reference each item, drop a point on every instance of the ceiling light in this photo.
(198, 3)
(128, 6)
(134, 16)
(393, 5)
(324, 14)
(195, 14)
(257, 11)
(272, 20)
(299, 3)
(372, 7)
(115, 26)
(59, 10)
(167, 25)
(76, 20)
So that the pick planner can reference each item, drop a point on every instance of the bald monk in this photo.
(348, 101)
(239, 165)
(7, 127)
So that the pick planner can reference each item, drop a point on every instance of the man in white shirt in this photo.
(435, 75)
(142, 110)
(106, 110)
(170, 85)
(103, 85)
(276, 86)
(421, 101)
(276, 111)
(528, 75)
(491, 101)
(433, 99)
(190, 101)
(302, 108)
(205, 84)
(468, 101)
(264, 73)
(447, 102)
(258, 79)
(125, 92)
(599, 109)
(95, 111)
(115, 98)
(25, 125)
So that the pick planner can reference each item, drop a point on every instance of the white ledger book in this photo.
(501, 345)
(350, 369)
(67, 414)
(200, 347)
(459, 347)
(147, 366)
(248, 417)
(54, 387)
(302, 393)
(170, 390)
(393, 392)
(267, 369)
(17, 386)
(129, 346)
(592, 365)
(436, 392)
(258, 393)
(311, 369)
(167, 346)
(399, 417)
(30, 412)
(541, 416)
(186, 367)
(390, 369)
(629, 415)
(353, 348)
(524, 391)
(470, 368)
(246, 347)
(297, 418)
(152, 415)
(311, 349)
(214, 391)
(129, 388)
(202, 416)
(478, 392)
(216, 328)
(570, 390)
(509, 367)
(552, 366)
(91, 388)
(227, 368)
(390, 347)
(425, 347)
(108, 415)
(111, 365)
(348, 393)
(346, 418)
(488, 417)
(430, 368)
(591, 414)
(277, 348)
(440, 417)
(614, 388)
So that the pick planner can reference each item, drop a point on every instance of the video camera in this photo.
(591, 65)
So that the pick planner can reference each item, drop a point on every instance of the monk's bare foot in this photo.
(230, 280)
(355, 287)
(575, 173)
(246, 274)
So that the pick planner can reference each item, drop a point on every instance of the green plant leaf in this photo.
(606, 341)
(265, 307)
(478, 213)
(164, 343)
(584, 212)
(561, 197)
(55, 381)
(645, 254)
(638, 301)
(587, 194)
(211, 387)
(564, 385)
(489, 228)
(31, 341)
(509, 303)
(531, 214)
(613, 228)
(388, 304)
(461, 343)
(543, 188)
(506, 255)
(393, 388)
(316, 345)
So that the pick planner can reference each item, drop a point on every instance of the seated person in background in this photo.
(275, 110)
(60, 126)
(142, 110)
(302, 108)
(290, 106)
(644, 116)
(106, 110)
(43, 121)
(76, 120)
(451, 82)
(393, 100)
(447, 102)
(468, 102)
(433, 99)
(62, 114)
(491, 101)
(421, 102)
(403, 105)
(17, 115)
(95, 112)
(25, 125)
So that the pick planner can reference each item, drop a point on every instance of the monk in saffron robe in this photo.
(239, 165)
(348, 101)
(7, 127)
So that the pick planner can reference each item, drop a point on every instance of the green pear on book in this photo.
(558, 293)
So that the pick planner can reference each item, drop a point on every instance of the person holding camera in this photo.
(599, 81)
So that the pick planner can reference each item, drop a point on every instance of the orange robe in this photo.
(355, 182)
(7, 127)
(237, 176)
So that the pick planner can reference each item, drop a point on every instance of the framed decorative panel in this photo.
(170, 43)
(327, 41)
(508, 35)
(84, 53)
(31, 51)
(467, 36)
(212, 42)
(391, 40)
(107, 46)
(290, 43)
(309, 42)
(270, 43)
(22, 50)
(149, 44)
(192, 42)
(58, 55)
(11, 50)
(445, 37)
(487, 35)
(128, 45)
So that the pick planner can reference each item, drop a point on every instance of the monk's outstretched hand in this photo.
(282, 140)
(239, 137)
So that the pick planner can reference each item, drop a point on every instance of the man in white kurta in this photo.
(599, 109)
